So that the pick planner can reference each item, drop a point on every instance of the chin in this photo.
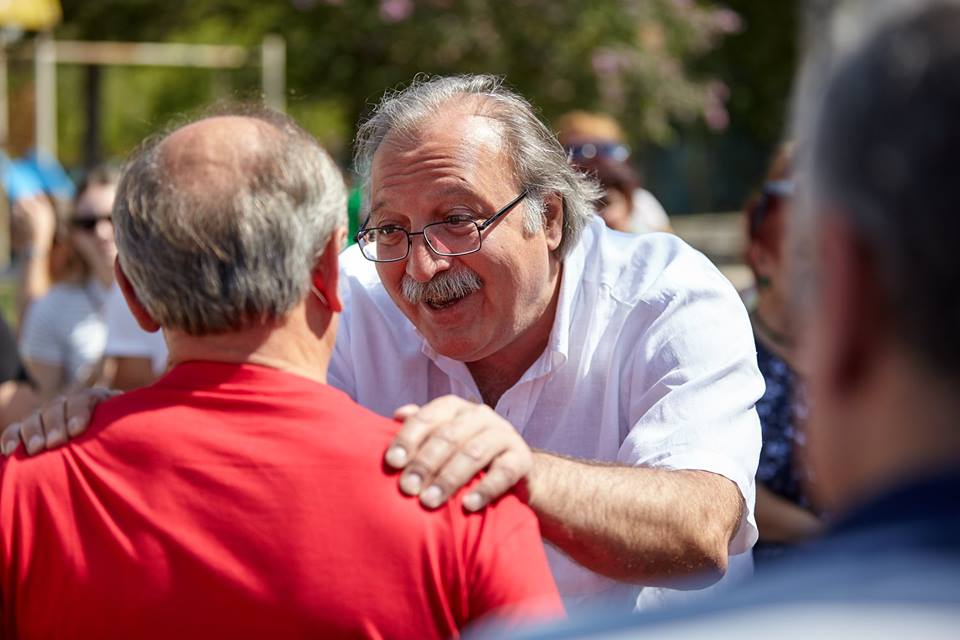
(456, 347)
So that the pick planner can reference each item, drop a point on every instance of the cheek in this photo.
(390, 275)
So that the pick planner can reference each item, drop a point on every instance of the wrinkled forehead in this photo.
(450, 148)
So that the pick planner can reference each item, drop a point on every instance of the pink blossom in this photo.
(395, 10)
(727, 21)
(714, 107)
(605, 62)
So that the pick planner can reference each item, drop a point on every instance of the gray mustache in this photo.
(443, 287)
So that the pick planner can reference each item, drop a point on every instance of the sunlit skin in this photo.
(96, 246)
(616, 212)
(457, 167)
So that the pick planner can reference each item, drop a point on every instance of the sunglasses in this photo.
(590, 150)
(88, 223)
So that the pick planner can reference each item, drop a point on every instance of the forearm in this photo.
(636, 524)
(781, 521)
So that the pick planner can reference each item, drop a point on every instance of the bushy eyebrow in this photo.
(441, 192)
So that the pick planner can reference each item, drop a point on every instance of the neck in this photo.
(103, 273)
(290, 344)
(501, 370)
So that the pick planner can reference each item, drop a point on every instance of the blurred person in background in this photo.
(64, 333)
(133, 357)
(595, 144)
(17, 397)
(39, 192)
(240, 495)
(785, 514)
(876, 287)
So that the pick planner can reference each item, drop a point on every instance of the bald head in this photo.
(212, 156)
(220, 222)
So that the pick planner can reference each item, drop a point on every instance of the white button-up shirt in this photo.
(650, 362)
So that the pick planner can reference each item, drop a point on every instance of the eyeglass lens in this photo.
(444, 238)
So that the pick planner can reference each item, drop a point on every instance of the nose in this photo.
(422, 263)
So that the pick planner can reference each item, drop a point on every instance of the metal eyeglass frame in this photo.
(480, 229)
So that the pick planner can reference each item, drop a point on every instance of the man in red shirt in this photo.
(240, 495)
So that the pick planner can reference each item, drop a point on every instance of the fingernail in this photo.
(396, 457)
(410, 484)
(54, 435)
(34, 444)
(432, 497)
(73, 427)
(473, 501)
(9, 447)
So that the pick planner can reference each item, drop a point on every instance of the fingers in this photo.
(79, 408)
(444, 445)
(50, 426)
(53, 421)
(10, 439)
(396, 455)
(452, 454)
(29, 431)
(418, 423)
(504, 473)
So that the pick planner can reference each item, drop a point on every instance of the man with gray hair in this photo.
(613, 376)
(240, 496)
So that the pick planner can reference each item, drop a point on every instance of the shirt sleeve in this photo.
(506, 570)
(694, 385)
(340, 371)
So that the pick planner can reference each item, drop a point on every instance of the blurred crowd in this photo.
(803, 429)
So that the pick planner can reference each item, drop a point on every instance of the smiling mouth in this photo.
(438, 304)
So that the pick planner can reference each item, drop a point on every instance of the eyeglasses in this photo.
(88, 223)
(456, 236)
(591, 150)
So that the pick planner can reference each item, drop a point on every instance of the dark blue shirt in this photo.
(780, 410)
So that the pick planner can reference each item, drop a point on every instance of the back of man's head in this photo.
(220, 222)
(884, 156)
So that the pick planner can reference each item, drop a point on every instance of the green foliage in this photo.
(631, 58)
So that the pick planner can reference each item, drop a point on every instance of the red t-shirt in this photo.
(237, 500)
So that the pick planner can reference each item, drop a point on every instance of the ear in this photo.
(851, 313)
(326, 271)
(553, 227)
(759, 258)
(140, 313)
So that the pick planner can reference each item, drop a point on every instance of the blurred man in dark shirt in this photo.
(877, 270)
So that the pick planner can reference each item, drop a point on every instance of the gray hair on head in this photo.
(883, 157)
(540, 163)
(211, 258)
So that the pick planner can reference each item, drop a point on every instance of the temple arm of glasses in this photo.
(504, 211)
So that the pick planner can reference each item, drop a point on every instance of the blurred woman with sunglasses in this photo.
(595, 145)
(784, 512)
(63, 334)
